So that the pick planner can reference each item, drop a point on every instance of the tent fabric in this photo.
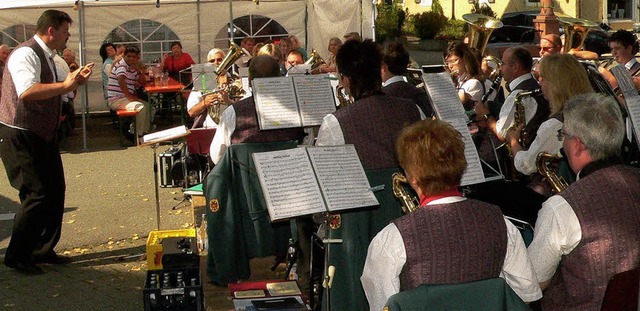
(314, 22)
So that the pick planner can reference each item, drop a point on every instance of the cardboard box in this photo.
(154, 245)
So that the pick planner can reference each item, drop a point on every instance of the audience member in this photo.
(108, 54)
(246, 45)
(334, 45)
(123, 81)
(476, 243)
(352, 36)
(588, 232)
(295, 45)
(293, 58)
(69, 56)
(176, 61)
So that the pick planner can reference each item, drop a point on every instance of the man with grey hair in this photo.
(590, 231)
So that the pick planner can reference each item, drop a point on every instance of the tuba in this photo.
(557, 182)
(409, 203)
(315, 60)
(232, 86)
(575, 31)
(480, 28)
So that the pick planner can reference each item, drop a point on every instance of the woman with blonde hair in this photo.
(334, 45)
(562, 77)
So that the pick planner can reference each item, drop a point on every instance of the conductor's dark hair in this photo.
(52, 18)
(360, 61)
(103, 50)
(263, 66)
(626, 38)
(396, 57)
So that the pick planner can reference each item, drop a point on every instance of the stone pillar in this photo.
(546, 22)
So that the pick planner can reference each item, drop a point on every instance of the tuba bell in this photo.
(232, 86)
(575, 31)
(409, 203)
(480, 28)
(315, 60)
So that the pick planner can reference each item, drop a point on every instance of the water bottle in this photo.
(291, 252)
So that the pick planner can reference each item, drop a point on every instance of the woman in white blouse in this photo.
(561, 77)
(466, 71)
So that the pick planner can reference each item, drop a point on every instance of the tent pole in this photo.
(374, 8)
(231, 28)
(85, 94)
(199, 30)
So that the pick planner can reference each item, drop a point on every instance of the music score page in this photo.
(448, 108)
(309, 180)
(632, 100)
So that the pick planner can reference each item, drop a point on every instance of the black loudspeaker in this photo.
(166, 161)
(195, 169)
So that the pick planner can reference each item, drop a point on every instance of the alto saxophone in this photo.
(409, 203)
(519, 118)
(557, 182)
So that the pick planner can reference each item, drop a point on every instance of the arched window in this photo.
(17, 34)
(153, 38)
(259, 27)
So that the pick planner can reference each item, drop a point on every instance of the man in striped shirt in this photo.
(121, 89)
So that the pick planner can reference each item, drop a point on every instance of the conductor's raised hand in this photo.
(84, 73)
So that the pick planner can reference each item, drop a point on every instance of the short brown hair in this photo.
(432, 152)
(52, 18)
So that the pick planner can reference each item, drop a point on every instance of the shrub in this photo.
(483, 9)
(452, 30)
(428, 24)
(389, 22)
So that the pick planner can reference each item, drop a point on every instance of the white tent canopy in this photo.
(196, 23)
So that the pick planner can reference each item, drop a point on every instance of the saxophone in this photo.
(409, 203)
(557, 182)
(519, 118)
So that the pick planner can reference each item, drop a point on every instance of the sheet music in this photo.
(288, 183)
(300, 69)
(204, 77)
(164, 135)
(624, 81)
(315, 98)
(633, 108)
(449, 109)
(341, 177)
(276, 103)
(444, 96)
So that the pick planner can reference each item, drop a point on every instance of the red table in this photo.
(173, 86)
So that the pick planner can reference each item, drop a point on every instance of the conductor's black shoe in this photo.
(25, 268)
(54, 259)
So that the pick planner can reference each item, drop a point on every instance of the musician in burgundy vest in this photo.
(29, 117)
(591, 230)
(239, 122)
(449, 239)
(371, 123)
(395, 60)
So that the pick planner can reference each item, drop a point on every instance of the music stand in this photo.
(154, 140)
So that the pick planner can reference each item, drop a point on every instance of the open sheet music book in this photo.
(631, 98)
(309, 180)
(448, 108)
(294, 101)
(165, 135)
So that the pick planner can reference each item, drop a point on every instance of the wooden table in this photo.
(173, 86)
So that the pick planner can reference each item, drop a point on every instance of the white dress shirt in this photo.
(387, 256)
(194, 98)
(394, 79)
(507, 112)
(472, 87)
(222, 138)
(546, 140)
(557, 233)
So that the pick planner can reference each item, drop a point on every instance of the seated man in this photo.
(198, 106)
(239, 122)
(293, 59)
(624, 47)
(121, 88)
(590, 231)
(395, 60)
(449, 239)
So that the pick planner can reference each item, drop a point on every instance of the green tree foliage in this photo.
(390, 21)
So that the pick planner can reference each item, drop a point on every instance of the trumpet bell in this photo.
(315, 60)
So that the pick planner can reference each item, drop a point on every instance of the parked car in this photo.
(519, 28)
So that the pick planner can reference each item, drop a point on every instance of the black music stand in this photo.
(154, 140)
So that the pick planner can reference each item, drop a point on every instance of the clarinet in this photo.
(494, 86)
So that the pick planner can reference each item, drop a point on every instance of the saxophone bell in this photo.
(409, 204)
(542, 164)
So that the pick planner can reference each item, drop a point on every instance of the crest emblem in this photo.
(214, 205)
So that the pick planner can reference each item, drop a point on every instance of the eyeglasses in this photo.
(562, 134)
(452, 61)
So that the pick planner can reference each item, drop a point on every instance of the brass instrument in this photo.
(575, 29)
(480, 29)
(232, 86)
(557, 182)
(343, 98)
(498, 64)
(409, 204)
(315, 60)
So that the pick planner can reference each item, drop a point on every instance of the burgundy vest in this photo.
(607, 204)
(248, 131)
(404, 89)
(372, 125)
(38, 116)
(542, 112)
(452, 243)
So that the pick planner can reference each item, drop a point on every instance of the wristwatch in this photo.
(486, 116)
